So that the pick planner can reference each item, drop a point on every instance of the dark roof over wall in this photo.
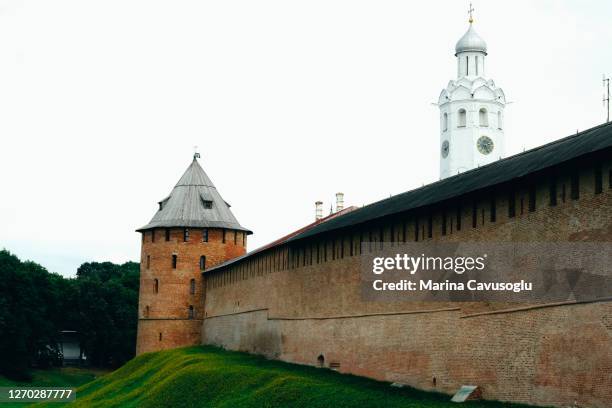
(499, 172)
(283, 239)
(505, 170)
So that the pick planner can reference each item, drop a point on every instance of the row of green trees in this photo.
(100, 303)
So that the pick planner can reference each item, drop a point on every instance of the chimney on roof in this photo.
(318, 210)
(339, 202)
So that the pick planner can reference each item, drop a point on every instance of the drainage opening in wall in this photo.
(321, 361)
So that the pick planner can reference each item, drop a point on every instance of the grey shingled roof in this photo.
(501, 171)
(184, 207)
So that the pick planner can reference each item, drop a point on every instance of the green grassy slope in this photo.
(210, 377)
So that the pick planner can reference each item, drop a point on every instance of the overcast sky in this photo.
(101, 103)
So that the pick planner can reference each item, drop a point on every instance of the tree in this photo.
(101, 304)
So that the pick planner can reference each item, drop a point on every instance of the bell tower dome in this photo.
(471, 111)
(192, 230)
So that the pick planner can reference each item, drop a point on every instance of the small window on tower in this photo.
(174, 259)
(598, 179)
(444, 223)
(192, 287)
(575, 186)
(552, 191)
(484, 117)
(458, 218)
(191, 312)
(500, 124)
(223, 238)
(205, 235)
(445, 122)
(462, 118)
(207, 204)
(511, 204)
(202, 262)
(156, 286)
(532, 198)
(186, 234)
(167, 234)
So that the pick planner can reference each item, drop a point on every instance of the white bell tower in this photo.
(471, 111)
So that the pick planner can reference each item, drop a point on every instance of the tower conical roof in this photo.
(194, 202)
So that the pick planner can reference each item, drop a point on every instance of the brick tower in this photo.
(192, 230)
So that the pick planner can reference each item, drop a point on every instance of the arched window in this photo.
(445, 122)
(190, 311)
(202, 262)
(192, 287)
(174, 260)
(146, 311)
(462, 118)
(155, 286)
(500, 124)
(321, 360)
(483, 117)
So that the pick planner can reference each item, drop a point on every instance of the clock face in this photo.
(445, 148)
(485, 144)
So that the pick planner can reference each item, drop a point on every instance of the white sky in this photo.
(101, 103)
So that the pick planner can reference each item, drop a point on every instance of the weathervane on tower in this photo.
(196, 155)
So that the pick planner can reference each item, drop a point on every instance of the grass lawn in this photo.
(211, 377)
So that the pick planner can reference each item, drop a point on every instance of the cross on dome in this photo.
(470, 11)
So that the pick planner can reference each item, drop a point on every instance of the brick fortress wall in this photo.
(288, 303)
